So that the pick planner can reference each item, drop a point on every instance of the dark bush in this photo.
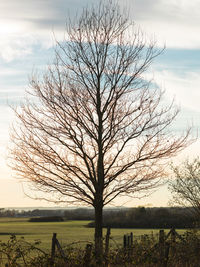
(47, 219)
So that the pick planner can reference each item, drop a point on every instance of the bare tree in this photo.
(185, 188)
(98, 128)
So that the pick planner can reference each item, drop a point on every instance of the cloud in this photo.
(174, 22)
(26, 23)
(15, 47)
(184, 87)
(41, 13)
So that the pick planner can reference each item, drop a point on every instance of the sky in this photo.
(28, 29)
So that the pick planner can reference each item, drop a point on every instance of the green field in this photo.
(68, 232)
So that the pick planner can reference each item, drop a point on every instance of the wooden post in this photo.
(125, 243)
(53, 248)
(161, 236)
(131, 239)
(131, 244)
(167, 245)
(55, 243)
(173, 240)
(87, 257)
(162, 247)
(173, 235)
(107, 246)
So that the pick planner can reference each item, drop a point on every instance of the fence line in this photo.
(164, 246)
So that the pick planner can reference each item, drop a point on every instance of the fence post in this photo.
(167, 245)
(107, 245)
(131, 239)
(173, 240)
(87, 257)
(173, 235)
(53, 248)
(131, 244)
(125, 243)
(162, 247)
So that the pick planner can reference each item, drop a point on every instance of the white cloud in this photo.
(14, 47)
(25, 23)
(174, 22)
(185, 87)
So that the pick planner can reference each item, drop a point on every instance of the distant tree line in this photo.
(31, 213)
(140, 217)
(150, 218)
(7, 212)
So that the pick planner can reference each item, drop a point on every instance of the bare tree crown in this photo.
(185, 185)
(100, 129)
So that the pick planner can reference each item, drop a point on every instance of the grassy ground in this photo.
(67, 232)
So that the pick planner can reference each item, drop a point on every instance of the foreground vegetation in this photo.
(147, 251)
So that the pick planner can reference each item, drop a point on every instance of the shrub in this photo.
(17, 253)
(47, 219)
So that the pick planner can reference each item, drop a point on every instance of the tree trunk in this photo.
(99, 233)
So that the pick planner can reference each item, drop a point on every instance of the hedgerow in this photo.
(144, 252)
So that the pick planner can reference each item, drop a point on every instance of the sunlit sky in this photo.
(27, 30)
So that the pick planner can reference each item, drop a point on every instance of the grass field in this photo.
(67, 232)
